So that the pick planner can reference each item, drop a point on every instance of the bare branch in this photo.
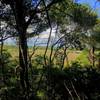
(33, 14)
(49, 22)
(75, 91)
(68, 91)
(3, 39)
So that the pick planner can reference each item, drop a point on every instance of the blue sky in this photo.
(95, 4)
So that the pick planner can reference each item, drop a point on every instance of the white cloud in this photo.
(46, 34)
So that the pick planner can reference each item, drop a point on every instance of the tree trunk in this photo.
(92, 56)
(23, 61)
(93, 50)
(19, 12)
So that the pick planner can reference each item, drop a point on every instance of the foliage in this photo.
(83, 57)
(83, 15)
(76, 78)
(96, 33)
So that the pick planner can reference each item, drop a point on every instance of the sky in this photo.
(95, 4)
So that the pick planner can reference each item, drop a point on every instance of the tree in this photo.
(96, 38)
(26, 12)
(86, 19)
(72, 21)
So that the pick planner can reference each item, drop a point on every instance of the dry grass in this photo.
(72, 55)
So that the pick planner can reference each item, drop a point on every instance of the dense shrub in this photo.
(81, 82)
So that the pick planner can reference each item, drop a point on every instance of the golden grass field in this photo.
(72, 55)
